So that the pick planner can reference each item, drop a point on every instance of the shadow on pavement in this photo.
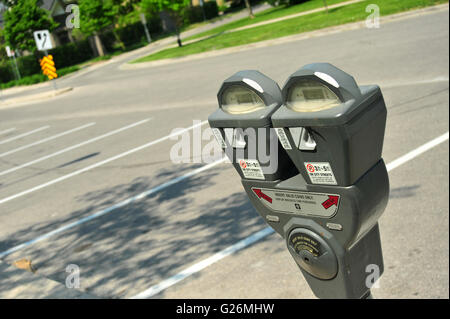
(138, 245)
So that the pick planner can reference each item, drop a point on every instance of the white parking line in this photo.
(416, 152)
(111, 208)
(216, 257)
(438, 79)
(24, 134)
(47, 139)
(70, 148)
(64, 177)
(154, 290)
(8, 130)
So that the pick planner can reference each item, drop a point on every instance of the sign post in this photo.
(44, 43)
(12, 54)
(144, 23)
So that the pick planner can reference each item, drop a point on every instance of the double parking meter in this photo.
(309, 157)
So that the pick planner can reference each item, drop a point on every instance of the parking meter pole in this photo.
(368, 295)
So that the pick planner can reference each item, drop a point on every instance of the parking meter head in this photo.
(243, 127)
(333, 128)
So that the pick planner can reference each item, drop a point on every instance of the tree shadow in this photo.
(141, 242)
(403, 192)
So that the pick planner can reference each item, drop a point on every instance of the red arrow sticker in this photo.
(260, 194)
(332, 200)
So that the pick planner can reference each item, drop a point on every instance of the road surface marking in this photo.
(438, 79)
(67, 149)
(216, 257)
(204, 263)
(155, 289)
(80, 171)
(8, 130)
(24, 134)
(112, 208)
(47, 139)
(416, 152)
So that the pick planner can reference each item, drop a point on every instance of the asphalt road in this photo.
(89, 150)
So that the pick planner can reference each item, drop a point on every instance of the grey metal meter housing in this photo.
(325, 122)
(348, 135)
(259, 119)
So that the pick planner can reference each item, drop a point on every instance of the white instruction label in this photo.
(299, 203)
(320, 173)
(219, 137)
(251, 169)
(283, 138)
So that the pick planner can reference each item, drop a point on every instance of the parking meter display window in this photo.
(243, 127)
(240, 100)
(348, 137)
(311, 96)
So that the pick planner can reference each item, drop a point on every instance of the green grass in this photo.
(314, 21)
(269, 14)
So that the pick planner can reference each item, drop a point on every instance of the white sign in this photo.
(320, 173)
(299, 203)
(251, 169)
(9, 52)
(43, 40)
(283, 138)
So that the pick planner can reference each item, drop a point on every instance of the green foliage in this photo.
(175, 8)
(21, 20)
(3, 55)
(125, 11)
(71, 53)
(211, 9)
(169, 5)
(36, 78)
(65, 56)
(275, 3)
(96, 15)
(195, 14)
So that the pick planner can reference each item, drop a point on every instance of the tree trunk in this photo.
(249, 7)
(325, 4)
(98, 44)
(179, 40)
(177, 30)
(119, 40)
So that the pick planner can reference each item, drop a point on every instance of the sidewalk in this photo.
(16, 283)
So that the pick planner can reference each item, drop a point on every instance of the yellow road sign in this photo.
(48, 67)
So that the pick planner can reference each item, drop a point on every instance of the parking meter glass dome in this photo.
(240, 100)
(311, 96)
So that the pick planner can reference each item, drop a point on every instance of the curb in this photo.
(281, 40)
(33, 98)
